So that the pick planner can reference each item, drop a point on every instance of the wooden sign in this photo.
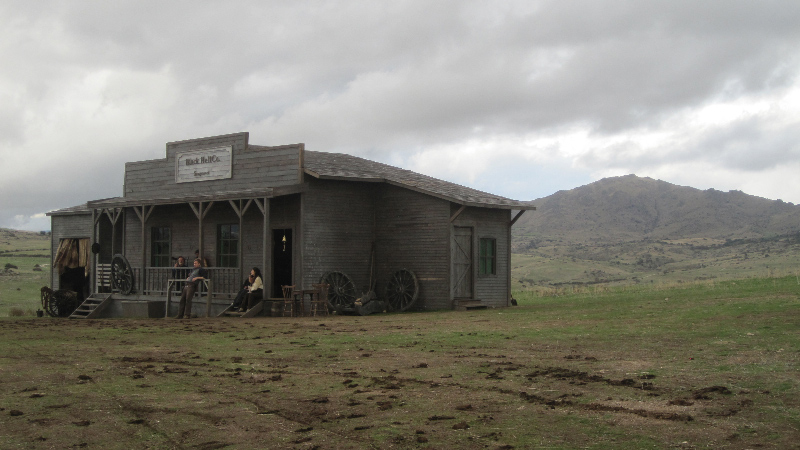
(204, 165)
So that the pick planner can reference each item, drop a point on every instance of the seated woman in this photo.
(255, 292)
(237, 302)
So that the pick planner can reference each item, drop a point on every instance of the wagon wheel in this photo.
(47, 295)
(342, 292)
(402, 290)
(121, 274)
(62, 303)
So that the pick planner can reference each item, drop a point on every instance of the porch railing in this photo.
(227, 280)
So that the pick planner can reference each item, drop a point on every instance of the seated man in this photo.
(180, 271)
(185, 306)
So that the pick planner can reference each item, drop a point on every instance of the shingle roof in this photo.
(334, 166)
(79, 209)
(339, 166)
(182, 198)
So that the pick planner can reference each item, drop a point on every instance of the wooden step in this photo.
(252, 312)
(464, 305)
(91, 307)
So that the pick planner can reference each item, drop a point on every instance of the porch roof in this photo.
(339, 166)
(117, 202)
(72, 210)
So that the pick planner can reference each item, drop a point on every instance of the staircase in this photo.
(252, 312)
(91, 307)
(464, 305)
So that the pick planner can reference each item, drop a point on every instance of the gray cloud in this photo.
(95, 84)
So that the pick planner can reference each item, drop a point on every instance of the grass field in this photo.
(557, 264)
(711, 365)
(19, 286)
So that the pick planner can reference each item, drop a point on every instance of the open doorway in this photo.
(281, 260)
(72, 265)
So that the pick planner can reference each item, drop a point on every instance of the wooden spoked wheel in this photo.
(121, 274)
(342, 292)
(62, 303)
(402, 290)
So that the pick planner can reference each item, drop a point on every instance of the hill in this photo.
(629, 229)
(631, 208)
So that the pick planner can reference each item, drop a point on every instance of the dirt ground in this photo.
(432, 380)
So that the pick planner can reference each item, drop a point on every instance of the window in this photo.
(488, 257)
(228, 245)
(160, 240)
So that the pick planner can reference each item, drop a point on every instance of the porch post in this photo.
(239, 207)
(267, 243)
(143, 273)
(200, 231)
(143, 212)
(266, 272)
(200, 212)
(93, 277)
(113, 234)
(239, 242)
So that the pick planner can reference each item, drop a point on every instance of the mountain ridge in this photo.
(633, 208)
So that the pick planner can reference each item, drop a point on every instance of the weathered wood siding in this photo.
(412, 233)
(253, 167)
(337, 230)
(72, 226)
(492, 290)
(183, 228)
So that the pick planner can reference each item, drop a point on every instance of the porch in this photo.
(227, 281)
(149, 258)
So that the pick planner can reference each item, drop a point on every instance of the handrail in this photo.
(227, 280)
(204, 283)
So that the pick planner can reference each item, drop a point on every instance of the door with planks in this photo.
(461, 261)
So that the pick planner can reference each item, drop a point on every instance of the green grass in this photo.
(564, 264)
(256, 382)
(19, 288)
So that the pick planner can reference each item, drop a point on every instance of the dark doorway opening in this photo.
(281, 260)
(75, 279)
(71, 260)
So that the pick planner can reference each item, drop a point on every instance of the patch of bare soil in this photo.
(342, 383)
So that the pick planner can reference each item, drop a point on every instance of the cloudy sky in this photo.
(520, 99)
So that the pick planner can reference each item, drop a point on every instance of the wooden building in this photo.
(297, 215)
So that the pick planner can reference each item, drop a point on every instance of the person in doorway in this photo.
(195, 277)
(255, 293)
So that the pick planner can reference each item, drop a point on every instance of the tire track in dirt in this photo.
(393, 382)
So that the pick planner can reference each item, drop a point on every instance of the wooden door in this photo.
(461, 260)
